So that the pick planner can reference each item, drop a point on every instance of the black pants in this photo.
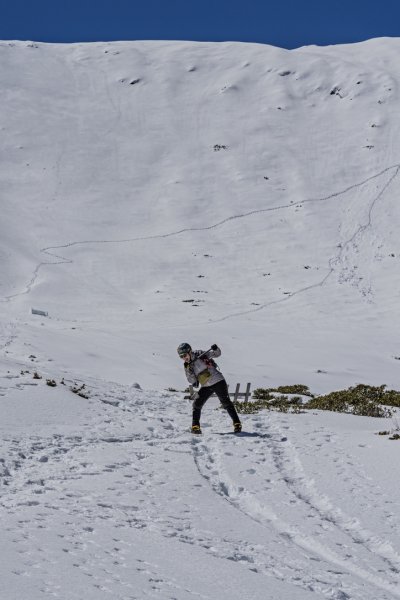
(221, 389)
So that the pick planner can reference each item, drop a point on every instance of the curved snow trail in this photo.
(361, 547)
(49, 250)
(8, 334)
(125, 472)
(86, 499)
(288, 463)
(335, 260)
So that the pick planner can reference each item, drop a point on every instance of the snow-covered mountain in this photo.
(160, 192)
(154, 193)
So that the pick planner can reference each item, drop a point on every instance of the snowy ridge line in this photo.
(247, 503)
(332, 261)
(63, 260)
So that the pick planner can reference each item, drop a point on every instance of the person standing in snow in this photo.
(200, 368)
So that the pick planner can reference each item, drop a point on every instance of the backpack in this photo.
(210, 362)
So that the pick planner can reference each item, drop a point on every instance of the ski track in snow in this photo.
(336, 262)
(362, 554)
(109, 475)
(8, 334)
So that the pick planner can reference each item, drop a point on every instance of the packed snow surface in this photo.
(161, 192)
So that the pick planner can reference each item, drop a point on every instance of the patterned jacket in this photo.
(203, 370)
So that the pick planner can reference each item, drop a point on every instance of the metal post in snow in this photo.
(236, 396)
(247, 395)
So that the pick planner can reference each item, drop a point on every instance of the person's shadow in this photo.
(252, 434)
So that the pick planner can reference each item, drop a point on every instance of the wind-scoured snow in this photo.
(239, 194)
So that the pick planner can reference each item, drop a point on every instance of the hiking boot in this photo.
(237, 427)
(196, 429)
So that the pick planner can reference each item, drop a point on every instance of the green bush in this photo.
(362, 400)
(391, 398)
(279, 404)
(266, 393)
(262, 394)
(298, 388)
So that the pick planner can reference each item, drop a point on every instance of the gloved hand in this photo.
(194, 396)
(214, 347)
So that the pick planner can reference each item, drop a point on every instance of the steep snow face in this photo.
(234, 193)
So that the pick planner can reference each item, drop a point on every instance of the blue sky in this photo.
(285, 23)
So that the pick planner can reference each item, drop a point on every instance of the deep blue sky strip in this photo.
(285, 23)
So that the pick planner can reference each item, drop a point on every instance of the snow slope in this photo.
(110, 496)
(154, 193)
(118, 207)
